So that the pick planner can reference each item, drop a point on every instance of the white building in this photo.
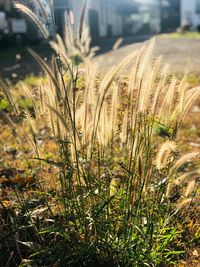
(180, 13)
(105, 18)
(190, 13)
(169, 15)
(150, 17)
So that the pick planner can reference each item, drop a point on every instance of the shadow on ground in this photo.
(17, 63)
(183, 56)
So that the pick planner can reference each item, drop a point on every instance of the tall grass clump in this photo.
(122, 183)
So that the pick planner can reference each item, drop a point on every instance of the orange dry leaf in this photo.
(6, 203)
(3, 179)
(190, 225)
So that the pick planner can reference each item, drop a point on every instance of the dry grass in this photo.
(119, 186)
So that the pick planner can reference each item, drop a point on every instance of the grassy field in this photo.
(93, 174)
(99, 169)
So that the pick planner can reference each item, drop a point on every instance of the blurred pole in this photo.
(160, 13)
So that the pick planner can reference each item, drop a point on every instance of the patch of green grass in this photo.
(193, 79)
(5, 105)
(176, 35)
(32, 80)
(25, 104)
(22, 102)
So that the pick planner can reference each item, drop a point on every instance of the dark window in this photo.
(198, 7)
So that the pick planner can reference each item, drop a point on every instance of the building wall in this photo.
(189, 13)
(170, 15)
(6, 5)
(155, 24)
(98, 7)
(77, 7)
(150, 18)
(110, 22)
(115, 20)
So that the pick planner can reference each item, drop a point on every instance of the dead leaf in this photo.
(195, 253)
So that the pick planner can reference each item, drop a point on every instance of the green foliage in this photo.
(22, 102)
(32, 80)
(25, 104)
(5, 105)
(81, 82)
(162, 130)
(193, 79)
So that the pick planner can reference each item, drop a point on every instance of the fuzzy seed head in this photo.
(164, 154)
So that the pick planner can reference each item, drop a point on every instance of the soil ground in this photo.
(183, 55)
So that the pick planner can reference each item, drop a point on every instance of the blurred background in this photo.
(107, 20)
